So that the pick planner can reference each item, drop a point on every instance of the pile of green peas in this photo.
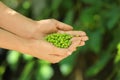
(61, 40)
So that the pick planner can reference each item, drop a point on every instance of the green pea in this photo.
(59, 40)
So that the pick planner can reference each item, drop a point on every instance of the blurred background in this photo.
(99, 59)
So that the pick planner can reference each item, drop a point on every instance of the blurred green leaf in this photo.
(67, 64)
(92, 1)
(11, 3)
(67, 4)
(27, 57)
(45, 72)
(94, 42)
(114, 16)
(117, 58)
(13, 58)
(118, 75)
(87, 18)
(55, 4)
(65, 69)
(69, 17)
(99, 65)
(2, 70)
(26, 5)
(38, 7)
(25, 75)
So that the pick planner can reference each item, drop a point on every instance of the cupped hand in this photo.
(44, 50)
(38, 47)
(45, 27)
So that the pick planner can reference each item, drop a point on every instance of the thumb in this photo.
(62, 26)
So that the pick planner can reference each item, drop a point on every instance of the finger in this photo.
(76, 39)
(79, 39)
(73, 46)
(62, 26)
(82, 43)
(75, 43)
(84, 38)
(74, 33)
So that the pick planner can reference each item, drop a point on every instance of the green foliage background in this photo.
(99, 59)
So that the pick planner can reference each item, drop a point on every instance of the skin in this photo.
(37, 47)
(28, 35)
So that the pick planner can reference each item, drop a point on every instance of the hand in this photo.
(44, 50)
(45, 27)
(47, 51)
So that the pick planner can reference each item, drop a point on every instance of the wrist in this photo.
(15, 22)
(9, 41)
(36, 30)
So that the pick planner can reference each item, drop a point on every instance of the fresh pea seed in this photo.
(59, 40)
